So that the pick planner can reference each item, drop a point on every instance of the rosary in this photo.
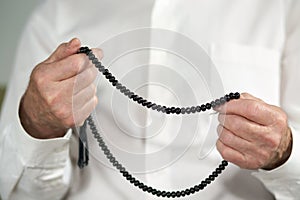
(83, 156)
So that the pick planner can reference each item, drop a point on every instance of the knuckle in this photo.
(50, 99)
(55, 98)
(38, 76)
(272, 141)
(63, 113)
(254, 109)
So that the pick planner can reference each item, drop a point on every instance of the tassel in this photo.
(83, 159)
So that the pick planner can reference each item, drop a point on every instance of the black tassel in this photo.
(83, 152)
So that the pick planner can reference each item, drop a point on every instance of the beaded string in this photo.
(159, 108)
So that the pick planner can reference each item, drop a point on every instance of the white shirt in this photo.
(255, 46)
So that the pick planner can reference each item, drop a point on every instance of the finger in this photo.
(233, 141)
(64, 50)
(80, 99)
(71, 66)
(231, 155)
(256, 111)
(67, 68)
(84, 79)
(243, 127)
(85, 111)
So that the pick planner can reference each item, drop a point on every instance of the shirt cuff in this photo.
(35, 152)
(284, 181)
(20, 151)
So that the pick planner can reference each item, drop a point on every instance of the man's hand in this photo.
(60, 94)
(253, 134)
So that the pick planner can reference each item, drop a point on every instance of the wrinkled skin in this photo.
(253, 134)
(60, 94)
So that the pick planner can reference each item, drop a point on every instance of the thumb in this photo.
(250, 97)
(64, 50)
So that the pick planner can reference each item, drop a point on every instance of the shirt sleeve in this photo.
(284, 182)
(31, 168)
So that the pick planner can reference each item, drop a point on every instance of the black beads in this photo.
(222, 100)
(177, 111)
(147, 104)
(203, 108)
(208, 106)
(227, 97)
(236, 95)
(142, 186)
(84, 50)
(160, 108)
